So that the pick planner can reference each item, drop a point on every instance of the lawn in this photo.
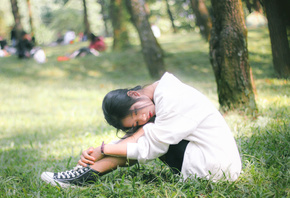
(50, 112)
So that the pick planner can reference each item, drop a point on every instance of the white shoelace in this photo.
(76, 171)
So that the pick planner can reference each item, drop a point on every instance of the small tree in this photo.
(151, 49)
(203, 20)
(105, 15)
(17, 20)
(30, 18)
(118, 17)
(170, 16)
(229, 56)
(86, 20)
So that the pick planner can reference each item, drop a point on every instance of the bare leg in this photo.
(109, 164)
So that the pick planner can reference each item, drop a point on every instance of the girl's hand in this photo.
(89, 156)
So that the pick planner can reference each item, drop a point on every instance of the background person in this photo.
(96, 44)
(24, 46)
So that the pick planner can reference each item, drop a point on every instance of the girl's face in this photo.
(141, 112)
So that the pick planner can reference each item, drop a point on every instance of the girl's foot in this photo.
(78, 176)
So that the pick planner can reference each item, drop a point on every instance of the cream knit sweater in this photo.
(182, 112)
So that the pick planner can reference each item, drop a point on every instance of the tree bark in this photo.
(278, 19)
(203, 20)
(151, 49)
(17, 20)
(229, 57)
(86, 20)
(121, 35)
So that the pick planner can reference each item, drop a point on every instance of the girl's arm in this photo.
(120, 149)
(92, 155)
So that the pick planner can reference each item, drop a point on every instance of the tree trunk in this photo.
(255, 4)
(121, 36)
(18, 26)
(86, 20)
(203, 20)
(104, 16)
(229, 57)
(277, 16)
(30, 18)
(152, 51)
(171, 17)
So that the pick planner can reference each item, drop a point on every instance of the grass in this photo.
(49, 113)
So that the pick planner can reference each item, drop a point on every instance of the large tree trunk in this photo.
(170, 16)
(229, 56)
(86, 20)
(152, 51)
(118, 17)
(278, 17)
(18, 26)
(203, 20)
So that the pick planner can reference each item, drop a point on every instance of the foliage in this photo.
(49, 113)
(68, 16)
(182, 14)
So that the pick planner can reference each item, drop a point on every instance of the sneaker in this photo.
(78, 176)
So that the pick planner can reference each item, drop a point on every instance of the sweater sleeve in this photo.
(144, 151)
(179, 111)
(157, 138)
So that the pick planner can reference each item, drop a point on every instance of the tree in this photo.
(105, 16)
(151, 49)
(118, 17)
(170, 16)
(86, 20)
(30, 18)
(17, 20)
(203, 20)
(229, 56)
(278, 19)
(254, 4)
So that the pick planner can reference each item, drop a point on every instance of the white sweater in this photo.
(182, 112)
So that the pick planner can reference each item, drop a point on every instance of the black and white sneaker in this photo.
(78, 176)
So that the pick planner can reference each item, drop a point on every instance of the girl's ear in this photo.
(133, 94)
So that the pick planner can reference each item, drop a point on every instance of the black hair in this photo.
(116, 106)
(94, 38)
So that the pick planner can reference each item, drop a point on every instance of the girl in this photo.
(188, 134)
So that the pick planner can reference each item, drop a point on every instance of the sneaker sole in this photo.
(48, 178)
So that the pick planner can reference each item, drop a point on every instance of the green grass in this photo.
(49, 113)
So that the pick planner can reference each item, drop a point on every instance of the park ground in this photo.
(50, 112)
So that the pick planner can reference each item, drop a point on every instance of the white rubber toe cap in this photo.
(48, 178)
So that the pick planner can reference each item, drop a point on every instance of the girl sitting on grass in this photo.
(188, 134)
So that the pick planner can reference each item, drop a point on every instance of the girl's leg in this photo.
(108, 164)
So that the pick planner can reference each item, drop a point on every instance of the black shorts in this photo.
(174, 156)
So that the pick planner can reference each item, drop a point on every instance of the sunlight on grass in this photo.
(55, 72)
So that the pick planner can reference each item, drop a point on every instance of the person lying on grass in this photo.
(168, 120)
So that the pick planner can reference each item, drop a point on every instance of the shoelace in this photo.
(76, 171)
